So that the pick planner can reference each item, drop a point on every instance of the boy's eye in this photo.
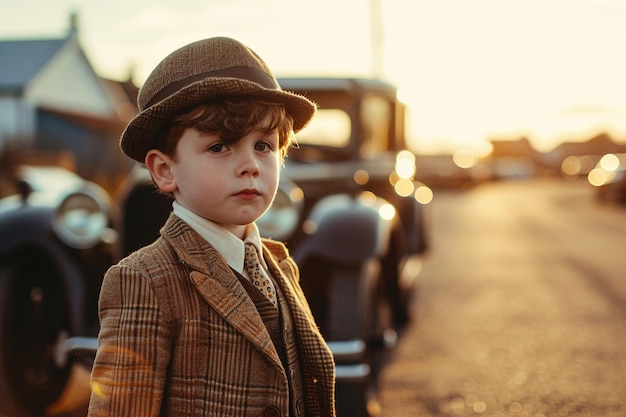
(267, 144)
(262, 146)
(216, 147)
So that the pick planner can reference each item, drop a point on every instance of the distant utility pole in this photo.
(376, 35)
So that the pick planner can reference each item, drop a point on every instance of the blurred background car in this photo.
(609, 178)
(57, 239)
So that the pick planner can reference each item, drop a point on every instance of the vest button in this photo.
(271, 411)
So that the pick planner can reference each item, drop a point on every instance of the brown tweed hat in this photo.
(209, 68)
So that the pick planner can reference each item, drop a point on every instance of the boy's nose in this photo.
(249, 166)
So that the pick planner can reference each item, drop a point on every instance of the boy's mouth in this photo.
(248, 193)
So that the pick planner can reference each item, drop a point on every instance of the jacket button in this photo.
(271, 411)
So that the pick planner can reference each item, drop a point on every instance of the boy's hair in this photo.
(231, 118)
(205, 70)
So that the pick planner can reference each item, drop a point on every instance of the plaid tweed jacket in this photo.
(181, 337)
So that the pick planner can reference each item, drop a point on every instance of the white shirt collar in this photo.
(227, 244)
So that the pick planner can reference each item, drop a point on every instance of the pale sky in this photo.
(469, 71)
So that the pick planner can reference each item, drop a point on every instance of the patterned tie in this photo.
(253, 267)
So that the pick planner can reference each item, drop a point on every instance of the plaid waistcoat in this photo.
(279, 324)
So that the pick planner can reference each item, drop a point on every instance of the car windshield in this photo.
(377, 117)
(336, 134)
(326, 138)
(329, 127)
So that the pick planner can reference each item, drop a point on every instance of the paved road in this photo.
(522, 308)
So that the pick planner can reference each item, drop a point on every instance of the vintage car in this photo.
(353, 217)
(355, 220)
(609, 178)
(57, 238)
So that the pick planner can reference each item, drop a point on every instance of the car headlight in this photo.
(282, 218)
(81, 219)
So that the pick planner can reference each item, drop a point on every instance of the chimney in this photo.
(73, 22)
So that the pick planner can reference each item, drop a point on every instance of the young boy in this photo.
(185, 330)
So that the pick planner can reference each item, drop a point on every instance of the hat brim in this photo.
(138, 137)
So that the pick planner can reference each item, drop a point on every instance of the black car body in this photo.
(361, 231)
(57, 239)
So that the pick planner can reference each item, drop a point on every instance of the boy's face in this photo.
(229, 184)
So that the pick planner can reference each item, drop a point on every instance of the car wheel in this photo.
(357, 310)
(33, 322)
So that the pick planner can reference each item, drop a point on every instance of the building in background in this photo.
(55, 109)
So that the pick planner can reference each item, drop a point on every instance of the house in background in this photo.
(55, 109)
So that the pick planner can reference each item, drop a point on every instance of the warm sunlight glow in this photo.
(405, 164)
(361, 177)
(387, 211)
(367, 198)
(609, 162)
(404, 187)
(577, 165)
(464, 158)
(423, 194)
(468, 71)
(598, 177)
(571, 166)
(393, 178)
(296, 194)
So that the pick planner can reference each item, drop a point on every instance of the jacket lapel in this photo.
(295, 298)
(304, 322)
(218, 285)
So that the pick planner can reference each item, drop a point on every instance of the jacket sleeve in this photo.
(130, 368)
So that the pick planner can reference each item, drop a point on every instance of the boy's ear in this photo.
(160, 169)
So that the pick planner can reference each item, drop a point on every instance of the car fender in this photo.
(28, 227)
(22, 224)
(345, 228)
